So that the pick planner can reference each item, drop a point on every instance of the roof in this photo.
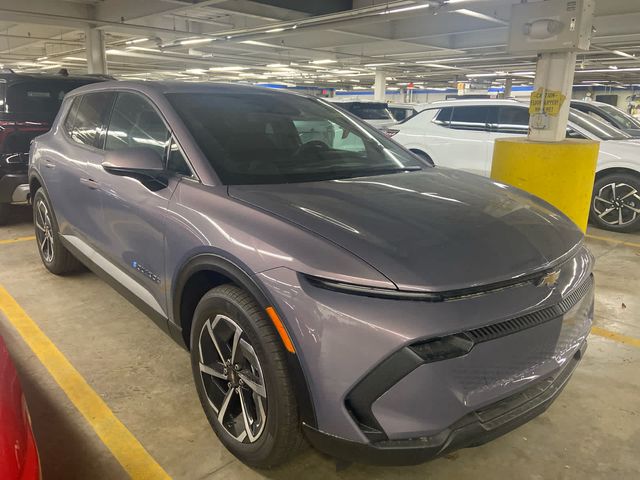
(475, 101)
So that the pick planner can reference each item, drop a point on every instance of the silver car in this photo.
(329, 284)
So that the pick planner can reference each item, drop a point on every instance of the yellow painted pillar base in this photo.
(562, 173)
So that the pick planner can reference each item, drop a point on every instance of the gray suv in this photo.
(329, 284)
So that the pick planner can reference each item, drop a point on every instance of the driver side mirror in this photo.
(134, 160)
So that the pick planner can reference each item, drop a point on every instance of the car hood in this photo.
(433, 230)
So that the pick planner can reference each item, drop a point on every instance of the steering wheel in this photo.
(315, 146)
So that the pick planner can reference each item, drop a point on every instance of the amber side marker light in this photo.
(288, 344)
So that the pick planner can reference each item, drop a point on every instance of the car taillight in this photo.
(390, 132)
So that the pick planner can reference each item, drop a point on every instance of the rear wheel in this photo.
(423, 156)
(239, 368)
(55, 257)
(615, 204)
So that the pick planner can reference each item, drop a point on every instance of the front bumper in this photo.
(14, 189)
(373, 387)
(474, 429)
(14, 183)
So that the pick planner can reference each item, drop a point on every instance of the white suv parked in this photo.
(460, 134)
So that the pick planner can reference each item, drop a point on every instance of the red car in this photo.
(18, 452)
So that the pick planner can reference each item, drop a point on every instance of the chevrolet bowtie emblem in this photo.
(549, 280)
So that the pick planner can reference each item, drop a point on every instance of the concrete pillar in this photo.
(508, 83)
(96, 56)
(552, 86)
(380, 85)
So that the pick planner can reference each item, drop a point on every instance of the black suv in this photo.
(28, 105)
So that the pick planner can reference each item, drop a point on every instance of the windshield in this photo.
(623, 119)
(600, 129)
(370, 111)
(39, 97)
(266, 138)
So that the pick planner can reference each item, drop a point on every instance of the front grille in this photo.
(497, 330)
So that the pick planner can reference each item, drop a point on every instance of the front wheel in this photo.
(615, 204)
(241, 376)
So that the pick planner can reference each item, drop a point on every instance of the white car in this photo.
(461, 133)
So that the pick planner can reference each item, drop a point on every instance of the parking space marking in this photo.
(16, 240)
(616, 337)
(613, 240)
(133, 457)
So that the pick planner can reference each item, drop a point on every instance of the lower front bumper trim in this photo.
(474, 429)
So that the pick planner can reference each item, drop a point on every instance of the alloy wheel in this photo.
(44, 231)
(232, 377)
(617, 204)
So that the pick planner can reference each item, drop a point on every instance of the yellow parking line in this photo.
(613, 240)
(137, 462)
(616, 337)
(16, 240)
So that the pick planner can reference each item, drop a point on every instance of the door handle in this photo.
(90, 183)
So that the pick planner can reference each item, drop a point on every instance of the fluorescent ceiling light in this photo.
(404, 9)
(474, 75)
(623, 54)
(275, 30)
(481, 16)
(260, 44)
(145, 49)
(193, 41)
(137, 40)
(437, 65)
(325, 60)
(608, 70)
(196, 71)
(49, 62)
(277, 65)
(55, 65)
(228, 69)
(444, 60)
(380, 64)
(613, 67)
(41, 58)
(75, 59)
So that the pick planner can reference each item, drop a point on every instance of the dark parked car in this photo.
(609, 114)
(28, 105)
(333, 286)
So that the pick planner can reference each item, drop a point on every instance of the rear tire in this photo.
(54, 255)
(615, 203)
(259, 423)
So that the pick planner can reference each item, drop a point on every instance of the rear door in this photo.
(461, 138)
(67, 169)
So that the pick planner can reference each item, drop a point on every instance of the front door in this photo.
(134, 209)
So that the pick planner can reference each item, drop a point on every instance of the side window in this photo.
(89, 121)
(469, 118)
(135, 123)
(176, 162)
(71, 115)
(443, 117)
(513, 120)
(571, 133)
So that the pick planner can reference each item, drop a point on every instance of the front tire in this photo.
(55, 257)
(240, 372)
(615, 204)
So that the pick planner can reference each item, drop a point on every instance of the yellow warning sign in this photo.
(553, 101)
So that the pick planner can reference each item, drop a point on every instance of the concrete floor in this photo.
(592, 431)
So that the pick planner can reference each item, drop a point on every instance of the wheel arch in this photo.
(612, 170)
(207, 270)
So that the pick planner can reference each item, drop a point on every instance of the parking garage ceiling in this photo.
(333, 43)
